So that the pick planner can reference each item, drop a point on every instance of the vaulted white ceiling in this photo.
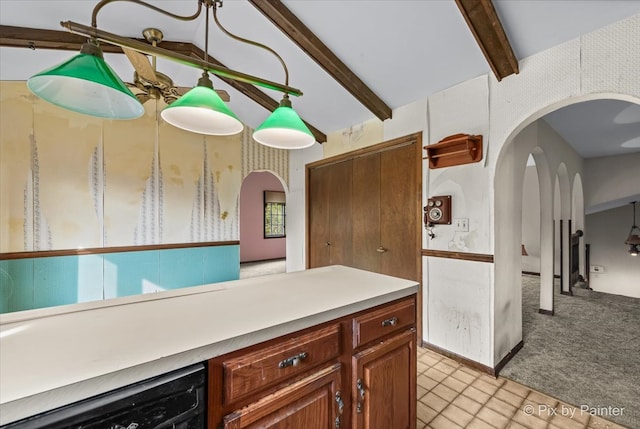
(403, 50)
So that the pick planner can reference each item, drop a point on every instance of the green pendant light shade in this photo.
(86, 84)
(201, 110)
(284, 129)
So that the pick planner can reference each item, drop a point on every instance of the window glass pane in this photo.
(274, 219)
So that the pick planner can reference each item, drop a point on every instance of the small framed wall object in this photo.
(438, 210)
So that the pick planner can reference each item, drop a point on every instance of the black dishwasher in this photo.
(174, 400)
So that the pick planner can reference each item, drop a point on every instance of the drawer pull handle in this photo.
(328, 243)
(381, 249)
(293, 360)
(360, 387)
(390, 322)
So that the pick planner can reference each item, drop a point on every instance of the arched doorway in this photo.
(262, 225)
(563, 360)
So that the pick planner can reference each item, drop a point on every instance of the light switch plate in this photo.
(461, 224)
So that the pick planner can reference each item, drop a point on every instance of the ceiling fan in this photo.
(151, 82)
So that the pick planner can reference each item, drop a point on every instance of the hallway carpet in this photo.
(587, 354)
(262, 268)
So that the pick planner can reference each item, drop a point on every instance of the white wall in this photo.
(602, 64)
(606, 233)
(296, 207)
(531, 220)
(610, 180)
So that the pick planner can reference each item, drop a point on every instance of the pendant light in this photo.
(201, 110)
(86, 84)
(633, 240)
(284, 129)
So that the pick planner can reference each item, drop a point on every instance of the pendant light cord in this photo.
(247, 41)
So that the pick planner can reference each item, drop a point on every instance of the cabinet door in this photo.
(311, 403)
(400, 213)
(366, 212)
(384, 384)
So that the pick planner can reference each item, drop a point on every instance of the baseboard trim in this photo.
(263, 260)
(546, 312)
(461, 359)
(473, 364)
(566, 293)
(508, 357)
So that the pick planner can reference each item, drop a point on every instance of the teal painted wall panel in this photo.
(221, 264)
(55, 281)
(44, 282)
(130, 273)
(16, 285)
(90, 278)
(180, 268)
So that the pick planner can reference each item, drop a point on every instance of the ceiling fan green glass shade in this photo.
(201, 110)
(284, 129)
(86, 84)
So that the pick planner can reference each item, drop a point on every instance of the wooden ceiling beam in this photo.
(482, 19)
(290, 25)
(35, 38)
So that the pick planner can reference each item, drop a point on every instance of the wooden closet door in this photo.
(366, 212)
(399, 212)
(330, 241)
(341, 243)
(318, 217)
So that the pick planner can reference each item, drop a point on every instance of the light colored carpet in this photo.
(262, 268)
(588, 353)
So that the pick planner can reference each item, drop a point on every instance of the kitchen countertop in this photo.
(53, 357)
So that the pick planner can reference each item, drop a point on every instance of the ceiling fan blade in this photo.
(141, 64)
(223, 94)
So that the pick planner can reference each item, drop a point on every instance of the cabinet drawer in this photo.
(255, 371)
(383, 321)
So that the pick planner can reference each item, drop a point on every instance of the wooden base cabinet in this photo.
(384, 388)
(358, 371)
(312, 403)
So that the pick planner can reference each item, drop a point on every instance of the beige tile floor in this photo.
(451, 396)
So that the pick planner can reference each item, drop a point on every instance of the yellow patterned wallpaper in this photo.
(69, 180)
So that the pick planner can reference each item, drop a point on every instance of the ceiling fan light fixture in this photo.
(284, 129)
(86, 84)
(201, 110)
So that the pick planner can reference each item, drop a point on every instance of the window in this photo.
(274, 214)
